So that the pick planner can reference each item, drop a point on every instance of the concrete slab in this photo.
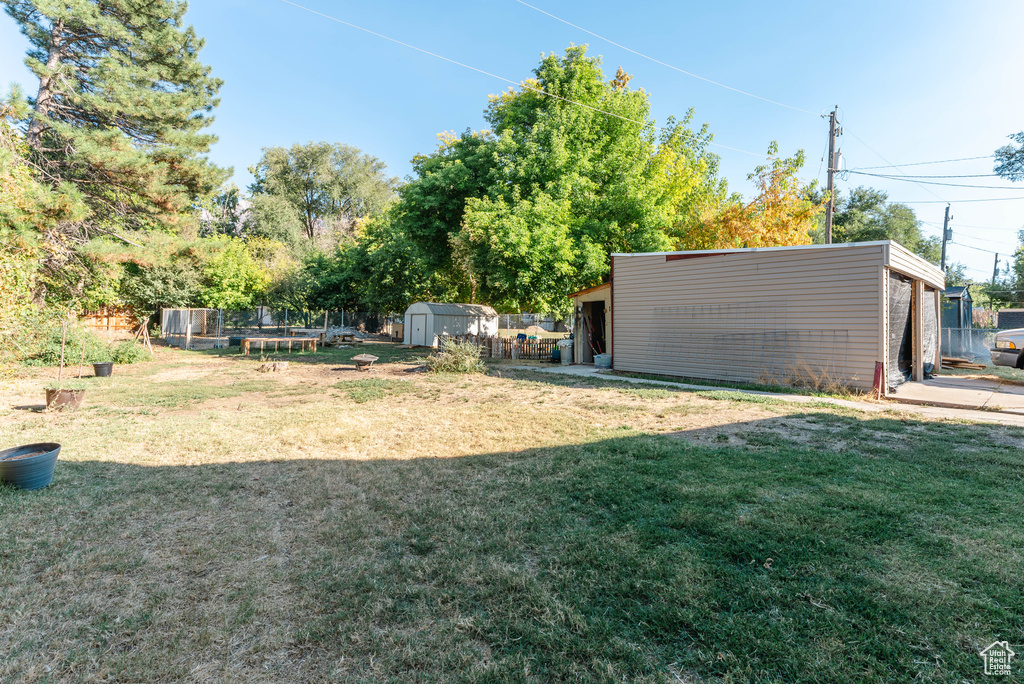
(990, 394)
(978, 412)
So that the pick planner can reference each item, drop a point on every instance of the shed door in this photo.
(418, 334)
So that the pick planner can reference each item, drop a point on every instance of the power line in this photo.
(912, 179)
(664, 64)
(990, 251)
(976, 175)
(941, 161)
(488, 73)
(961, 236)
(984, 199)
(964, 225)
(879, 155)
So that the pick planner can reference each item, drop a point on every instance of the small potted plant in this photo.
(65, 394)
(105, 366)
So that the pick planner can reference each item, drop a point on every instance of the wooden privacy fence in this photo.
(513, 348)
(110, 319)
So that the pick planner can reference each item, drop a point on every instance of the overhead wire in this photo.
(964, 225)
(665, 64)
(912, 179)
(960, 244)
(942, 201)
(879, 155)
(492, 75)
(940, 161)
(976, 175)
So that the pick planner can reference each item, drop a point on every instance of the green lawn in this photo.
(324, 525)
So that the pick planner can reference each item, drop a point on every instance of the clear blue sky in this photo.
(914, 80)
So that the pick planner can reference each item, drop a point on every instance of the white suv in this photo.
(1008, 347)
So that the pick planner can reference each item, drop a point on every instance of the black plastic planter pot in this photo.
(102, 370)
(64, 399)
(30, 466)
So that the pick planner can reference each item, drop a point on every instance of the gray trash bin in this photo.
(565, 349)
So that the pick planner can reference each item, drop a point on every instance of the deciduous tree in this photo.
(325, 184)
(780, 214)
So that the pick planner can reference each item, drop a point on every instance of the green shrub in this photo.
(38, 341)
(129, 352)
(453, 356)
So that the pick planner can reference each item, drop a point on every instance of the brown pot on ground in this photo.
(64, 399)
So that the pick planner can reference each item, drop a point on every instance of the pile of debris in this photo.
(953, 362)
(338, 335)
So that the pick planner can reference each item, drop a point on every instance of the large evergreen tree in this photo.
(121, 107)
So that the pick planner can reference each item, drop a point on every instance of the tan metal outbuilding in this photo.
(815, 315)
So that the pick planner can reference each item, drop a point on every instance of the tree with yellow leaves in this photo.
(779, 215)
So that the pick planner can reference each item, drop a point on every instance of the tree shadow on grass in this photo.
(828, 556)
(387, 352)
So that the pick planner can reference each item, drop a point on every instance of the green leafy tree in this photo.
(1010, 159)
(389, 269)
(780, 214)
(231, 277)
(329, 186)
(867, 215)
(1010, 288)
(147, 288)
(429, 215)
(572, 169)
(587, 168)
(275, 218)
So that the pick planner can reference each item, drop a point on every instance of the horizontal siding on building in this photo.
(906, 262)
(800, 316)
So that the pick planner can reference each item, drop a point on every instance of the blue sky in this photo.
(915, 81)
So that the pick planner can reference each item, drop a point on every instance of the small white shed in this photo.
(426, 321)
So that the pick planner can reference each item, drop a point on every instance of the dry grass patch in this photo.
(320, 525)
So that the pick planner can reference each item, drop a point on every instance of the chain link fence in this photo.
(192, 328)
(974, 344)
(528, 321)
(217, 328)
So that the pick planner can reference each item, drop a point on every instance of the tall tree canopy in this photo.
(325, 184)
(866, 214)
(781, 214)
(121, 105)
(572, 170)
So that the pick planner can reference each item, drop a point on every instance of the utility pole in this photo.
(946, 235)
(833, 132)
(995, 270)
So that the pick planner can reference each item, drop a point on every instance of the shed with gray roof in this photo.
(426, 322)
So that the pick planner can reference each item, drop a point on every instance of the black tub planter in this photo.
(64, 399)
(30, 466)
(103, 370)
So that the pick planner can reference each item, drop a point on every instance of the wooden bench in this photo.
(364, 361)
(308, 332)
(303, 343)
